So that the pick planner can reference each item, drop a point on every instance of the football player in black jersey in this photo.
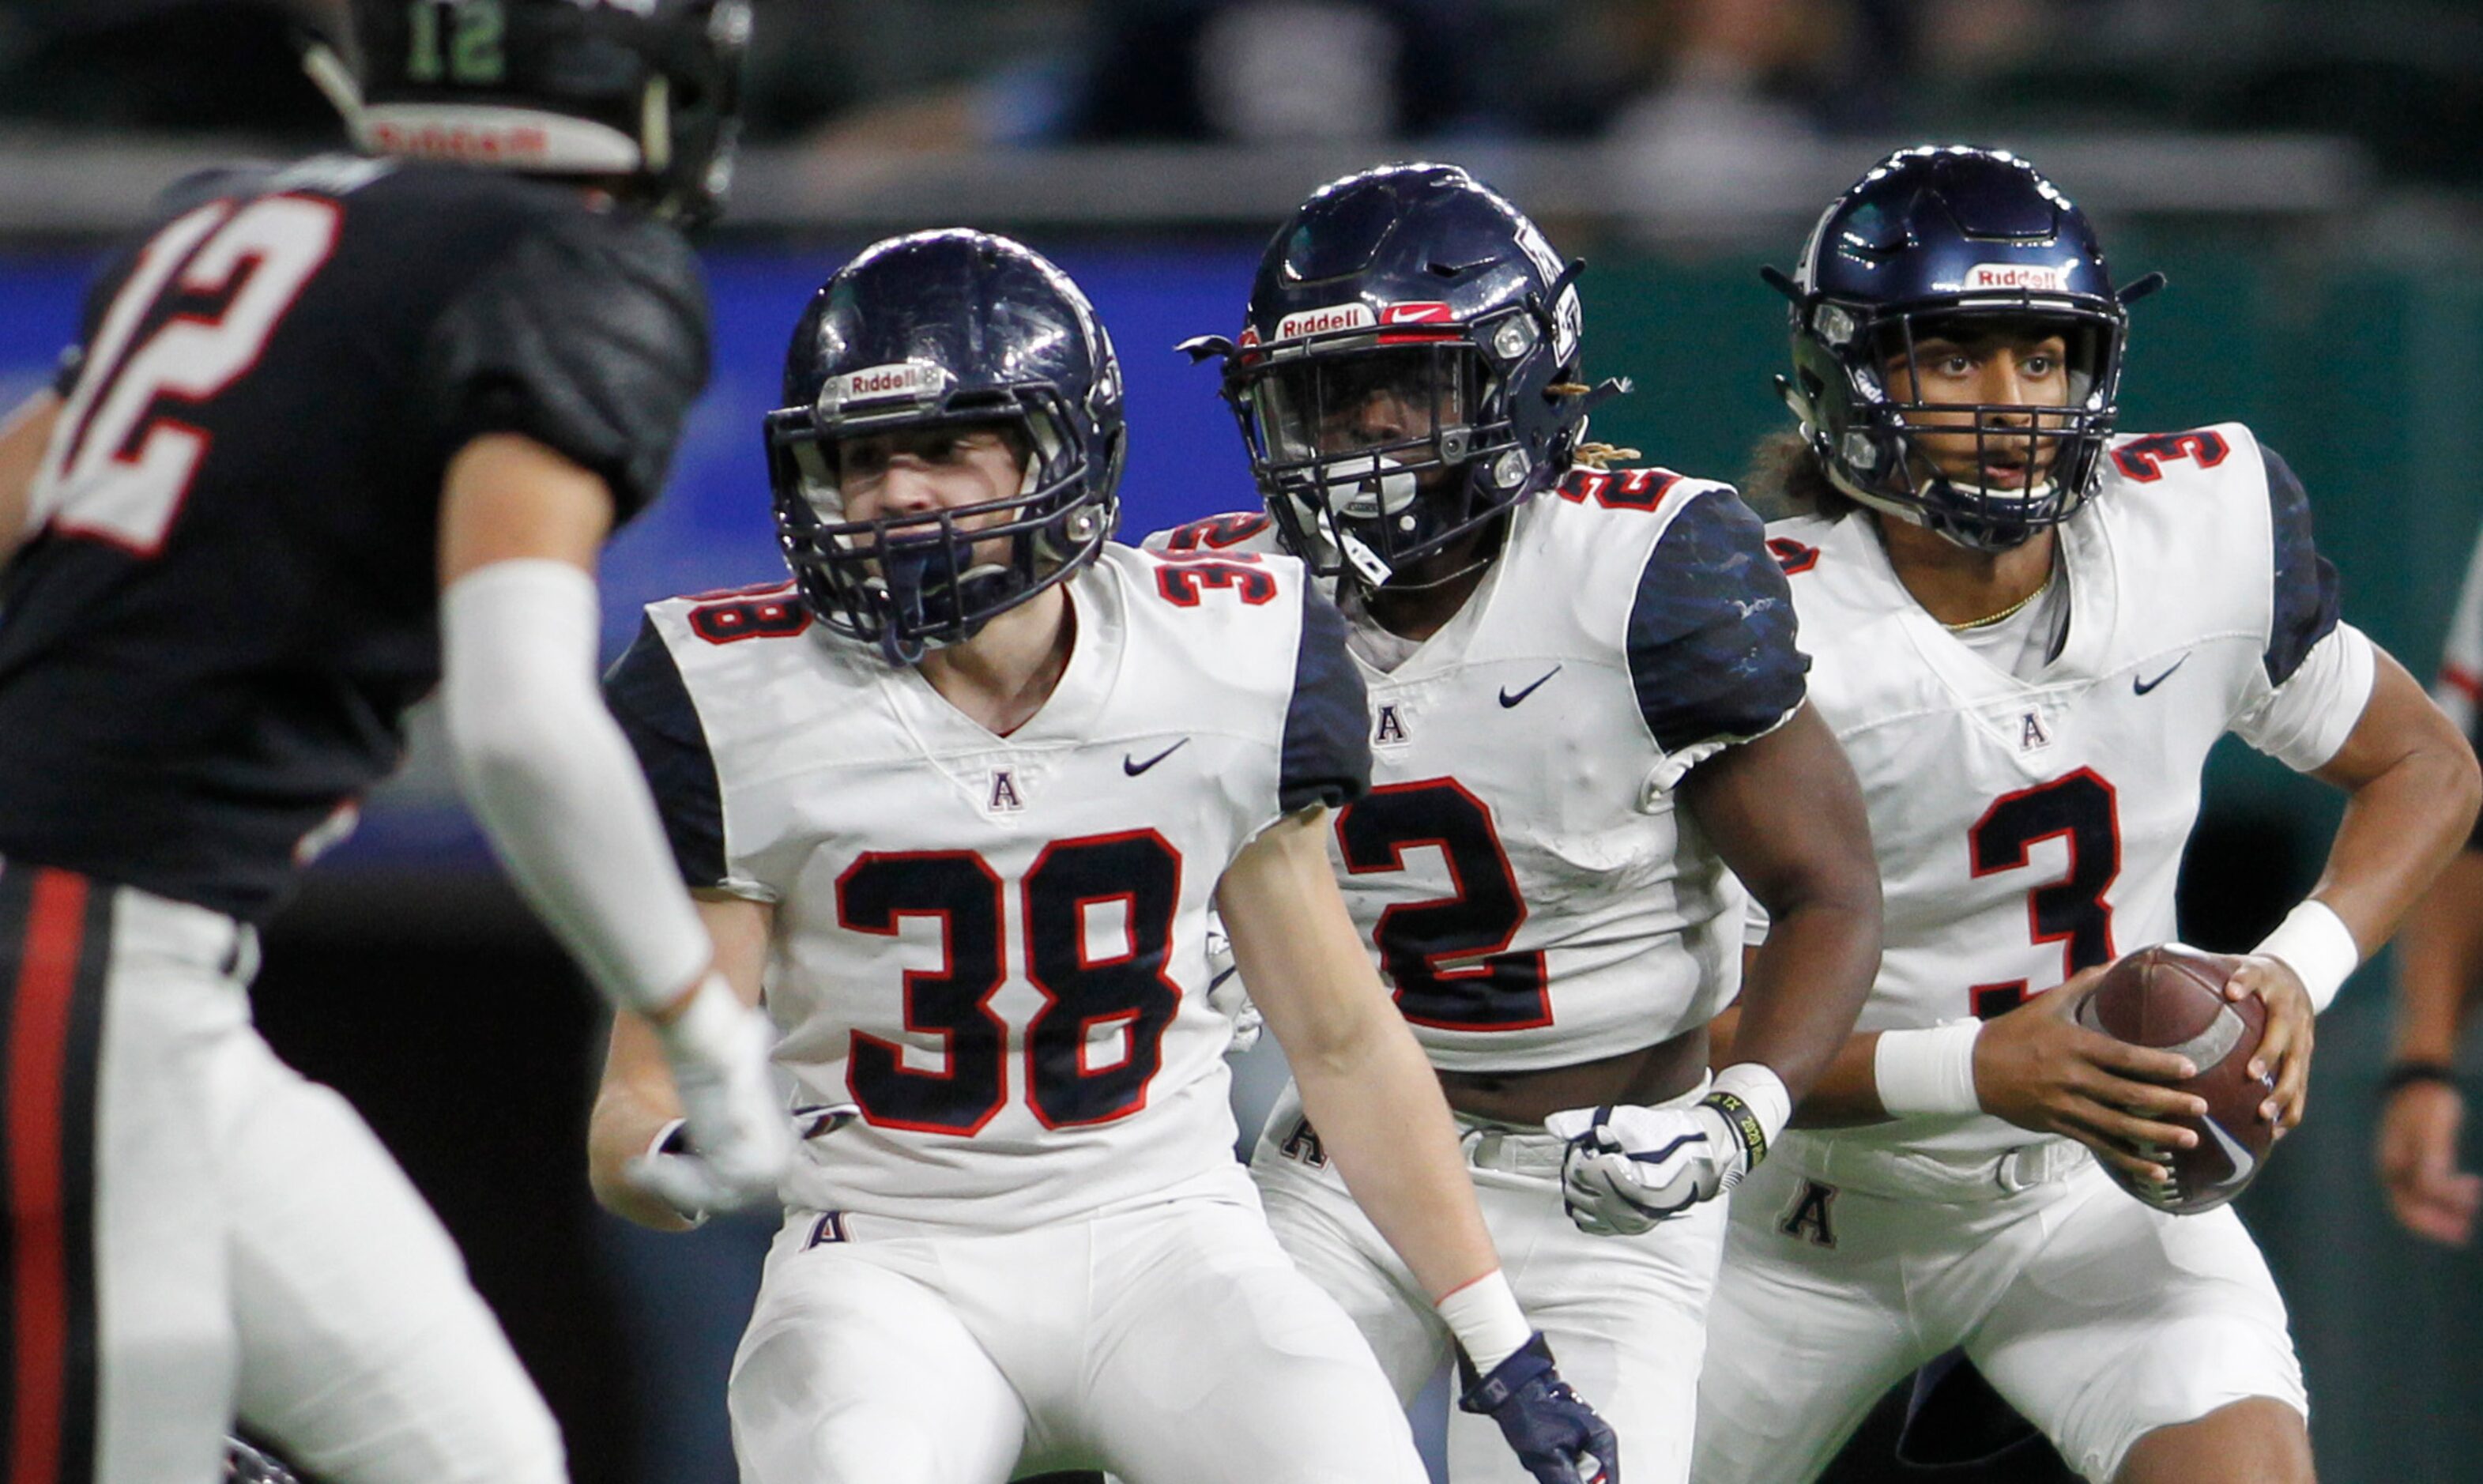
(336, 433)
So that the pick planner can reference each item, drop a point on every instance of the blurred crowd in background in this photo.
(1718, 80)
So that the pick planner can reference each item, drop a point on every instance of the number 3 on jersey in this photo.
(119, 462)
(2082, 809)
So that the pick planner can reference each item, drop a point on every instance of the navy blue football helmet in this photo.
(1948, 241)
(1407, 370)
(944, 328)
(646, 90)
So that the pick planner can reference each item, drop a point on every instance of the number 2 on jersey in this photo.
(1447, 958)
(1122, 998)
(119, 462)
(2082, 809)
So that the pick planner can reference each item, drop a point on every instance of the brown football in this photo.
(2172, 997)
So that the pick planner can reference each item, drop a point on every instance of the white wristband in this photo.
(2316, 943)
(1930, 1071)
(1763, 1093)
(1484, 1317)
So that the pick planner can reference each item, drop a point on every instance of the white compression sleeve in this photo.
(554, 781)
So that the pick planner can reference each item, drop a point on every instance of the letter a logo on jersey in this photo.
(1303, 1144)
(1807, 1217)
(2032, 736)
(1005, 798)
(1390, 728)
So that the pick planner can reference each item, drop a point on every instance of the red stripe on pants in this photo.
(38, 1047)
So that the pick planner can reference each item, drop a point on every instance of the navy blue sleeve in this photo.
(590, 337)
(645, 691)
(2306, 582)
(1327, 726)
(1711, 633)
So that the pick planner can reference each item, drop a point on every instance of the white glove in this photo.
(736, 1144)
(1227, 993)
(1629, 1168)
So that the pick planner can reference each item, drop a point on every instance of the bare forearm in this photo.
(636, 1098)
(1847, 1091)
(1786, 815)
(633, 1105)
(2398, 833)
(1382, 1118)
(1803, 989)
(2440, 962)
(25, 439)
(2413, 790)
(1363, 1078)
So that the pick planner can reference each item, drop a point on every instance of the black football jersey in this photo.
(232, 594)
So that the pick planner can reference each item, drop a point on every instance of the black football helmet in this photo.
(1934, 240)
(642, 89)
(1407, 370)
(944, 328)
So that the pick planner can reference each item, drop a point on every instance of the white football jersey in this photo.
(2026, 829)
(997, 946)
(1528, 886)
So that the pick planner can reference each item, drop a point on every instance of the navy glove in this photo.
(1556, 1435)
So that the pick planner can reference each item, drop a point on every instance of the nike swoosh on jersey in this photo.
(1508, 700)
(1133, 767)
(2141, 687)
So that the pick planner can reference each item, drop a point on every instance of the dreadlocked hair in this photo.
(1599, 456)
(1785, 479)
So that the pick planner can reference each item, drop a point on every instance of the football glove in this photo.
(1555, 1435)
(1628, 1168)
(1227, 995)
(736, 1143)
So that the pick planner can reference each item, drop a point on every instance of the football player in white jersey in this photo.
(959, 797)
(2028, 632)
(1587, 717)
(2440, 965)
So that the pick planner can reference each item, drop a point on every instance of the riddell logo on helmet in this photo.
(457, 142)
(898, 378)
(1320, 322)
(2041, 278)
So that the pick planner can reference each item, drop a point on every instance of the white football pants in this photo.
(1168, 1343)
(2099, 1318)
(196, 1233)
(1626, 1315)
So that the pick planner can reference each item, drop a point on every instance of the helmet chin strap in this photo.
(898, 593)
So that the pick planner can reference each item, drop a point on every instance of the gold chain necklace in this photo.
(2005, 614)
